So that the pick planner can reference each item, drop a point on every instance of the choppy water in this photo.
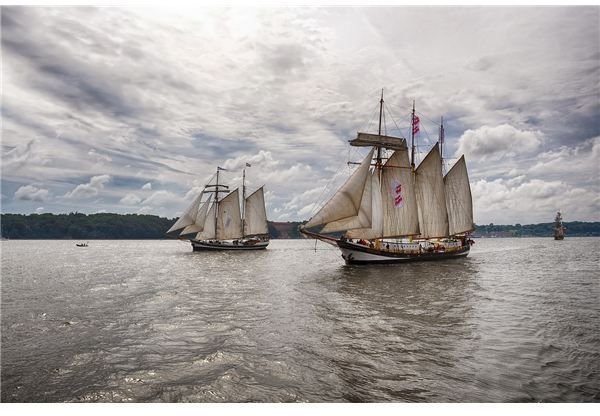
(518, 320)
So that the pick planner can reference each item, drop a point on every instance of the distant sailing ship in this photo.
(218, 224)
(559, 229)
(395, 213)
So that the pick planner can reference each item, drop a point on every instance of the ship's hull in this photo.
(228, 245)
(354, 253)
(559, 237)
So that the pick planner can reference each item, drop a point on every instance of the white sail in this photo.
(458, 198)
(429, 187)
(346, 201)
(198, 224)
(255, 221)
(229, 221)
(400, 216)
(361, 220)
(189, 215)
(208, 233)
(376, 229)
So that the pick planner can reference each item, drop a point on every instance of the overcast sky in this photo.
(130, 110)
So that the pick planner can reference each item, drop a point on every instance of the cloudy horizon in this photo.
(130, 110)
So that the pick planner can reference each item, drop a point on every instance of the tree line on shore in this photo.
(135, 226)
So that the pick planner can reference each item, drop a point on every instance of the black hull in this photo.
(206, 246)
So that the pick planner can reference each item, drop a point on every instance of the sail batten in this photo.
(459, 201)
(255, 221)
(347, 200)
(431, 200)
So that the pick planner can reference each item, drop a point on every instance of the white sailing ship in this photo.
(214, 223)
(390, 212)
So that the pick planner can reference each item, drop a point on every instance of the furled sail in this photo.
(376, 229)
(208, 233)
(346, 201)
(255, 221)
(458, 198)
(431, 202)
(189, 215)
(229, 222)
(400, 216)
(389, 142)
(198, 224)
(361, 220)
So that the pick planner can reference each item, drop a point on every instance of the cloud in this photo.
(130, 199)
(90, 189)
(497, 142)
(39, 210)
(147, 186)
(31, 193)
(159, 198)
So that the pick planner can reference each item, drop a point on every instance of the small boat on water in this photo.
(559, 228)
(391, 212)
(212, 224)
(81, 244)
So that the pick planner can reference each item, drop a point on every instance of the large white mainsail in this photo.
(198, 224)
(400, 216)
(346, 201)
(229, 222)
(376, 229)
(458, 198)
(189, 215)
(255, 221)
(361, 220)
(429, 187)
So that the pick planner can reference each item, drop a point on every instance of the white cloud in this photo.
(497, 142)
(90, 189)
(39, 210)
(147, 186)
(130, 199)
(31, 193)
(159, 198)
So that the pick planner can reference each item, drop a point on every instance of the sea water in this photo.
(152, 321)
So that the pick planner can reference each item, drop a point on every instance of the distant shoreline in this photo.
(108, 226)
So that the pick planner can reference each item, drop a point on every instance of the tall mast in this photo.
(412, 135)
(243, 200)
(217, 205)
(442, 142)
(378, 164)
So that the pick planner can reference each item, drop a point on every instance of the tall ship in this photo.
(388, 211)
(215, 223)
(559, 228)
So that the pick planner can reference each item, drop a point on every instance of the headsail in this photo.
(229, 223)
(361, 220)
(458, 198)
(198, 224)
(398, 196)
(346, 201)
(189, 215)
(376, 228)
(255, 221)
(431, 202)
(208, 233)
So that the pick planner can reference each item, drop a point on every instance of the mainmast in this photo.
(442, 142)
(378, 164)
(216, 191)
(243, 200)
(412, 136)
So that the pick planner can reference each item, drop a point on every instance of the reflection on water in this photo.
(517, 320)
